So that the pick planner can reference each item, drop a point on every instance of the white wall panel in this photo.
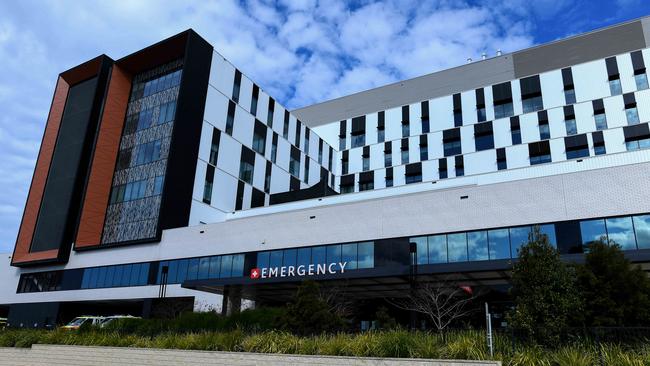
(480, 162)
(441, 111)
(626, 72)
(552, 89)
(615, 111)
(529, 128)
(517, 156)
(224, 191)
(468, 102)
(199, 180)
(243, 127)
(229, 155)
(501, 130)
(222, 74)
(590, 80)
(216, 108)
(467, 139)
(558, 152)
(585, 117)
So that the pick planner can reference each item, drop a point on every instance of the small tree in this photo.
(308, 313)
(443, 301)
(616, 293)
(544, 290)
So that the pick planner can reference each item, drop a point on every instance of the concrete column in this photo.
(231, 303)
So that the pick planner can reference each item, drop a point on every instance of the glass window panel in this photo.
(349, 255)
(591, 231)
(204, 268)
(101, 277)
(304, 256)
(366, 255)
(117, 277)
(422, 249)
(642, 229)
(110, 273)
(333, 254)
(226, 266)
(620, 230)
(262, 259)
(92, 281)
(215, 267)
(144, 274)
(499, 242)
(126, 275)
(135, 274)
(85, 279)
(276, 259)
(457, 247)
(290, 257)
(319, 255)
(238, 265)
(173, 270)
(182, 270)
(549, 230)
(615, 87)
(641, 81)
(632, 116)
(477, 246)
(193, 269)
(518, 237)
(437, 249)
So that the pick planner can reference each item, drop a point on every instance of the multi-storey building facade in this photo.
(170, 174)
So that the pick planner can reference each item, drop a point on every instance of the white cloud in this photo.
(301, 51)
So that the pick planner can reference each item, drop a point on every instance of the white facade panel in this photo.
(590, 80)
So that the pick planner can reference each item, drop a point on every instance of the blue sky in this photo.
(301, 51)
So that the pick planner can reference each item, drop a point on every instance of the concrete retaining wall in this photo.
(100, 356)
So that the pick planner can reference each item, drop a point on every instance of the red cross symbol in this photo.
(255, 273)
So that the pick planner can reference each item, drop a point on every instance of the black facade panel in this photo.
(459, 163)
(358, 125)
(576, 142)
(33, 315)
(343, 128)
(423, 140)
(542, 117)
(184, 146)
(539, 148)
(636, 132)
(501, 154)
(260, 128)
(451, 135)
(405, 144)
(442, 164)
(347, 180)
(247, 155)
(480, 98)
(457, 102)
(567, 78)
(294, 184)
(257, 198)
(425, 109)
(239, 200)
(381, 120)
(366, 151)
(389, 173)
(530, 87)
(58, 215)
(414, 169)
(598, 105)
(598, 138)
(568, 237)
(637, 62)
(405, 114)
(514, 123)
(569, 112)
(502, 93)
(612, 68)
(482, 129)
(629, 100)
(366, 177)
(388, 147)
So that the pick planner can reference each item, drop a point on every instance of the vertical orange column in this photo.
(99, 184)
(28, 224)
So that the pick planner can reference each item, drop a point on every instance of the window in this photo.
(274, 148)
(254, 99)
(158, 185)
(499, 243)
(230, 118)
(285, 126)
(297, 139)
(294, 162)
(481, 116)
(641, 81)
(502, 95)
(388, 154)
(599, 114)
(320, 151)
(405, 156)
(483, 136)
(259, 137)
(539, 152)
(620, 230)
(570, 121)
(267, 177)
(442, 168)
(207, 186)
(515, 131)
(642, 230)
(451, 142)
(271, 110)
(421, 249)
(613, 76)
(389, 177)
(458, 110)
(148, 152)
(518, 237)
(347, 188)
(638, 144)
(167, 112)
(630, 109)
(306, 177)
(531, 94)
(569, 91)
(424, 148)
(344, 162)
(460, 166)
(306, 140)
(501, 159)
(413, 173)
(381, 119)
(358, 134)
(457, 247)
(236, 86)
(640, 76)
(366, 181)
(214, 147)
(365, 158)
(437, 248)
(246, 166)
(366, 255)
(576, 146)
(477, 246)
(342, 134)
(406, 131)
(424, 109)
